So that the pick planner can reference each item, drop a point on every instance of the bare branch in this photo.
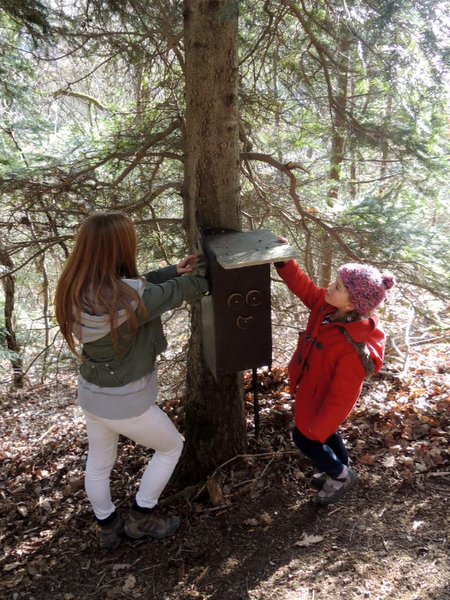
(305, 215)
(80, 96)
(152, 140)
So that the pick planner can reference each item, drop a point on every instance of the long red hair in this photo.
(91, 281)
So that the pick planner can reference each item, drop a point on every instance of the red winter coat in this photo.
(327, 371)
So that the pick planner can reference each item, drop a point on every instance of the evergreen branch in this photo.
(150, 196)
(152, 140)
(307, 28)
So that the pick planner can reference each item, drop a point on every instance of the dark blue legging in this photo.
(329, 457)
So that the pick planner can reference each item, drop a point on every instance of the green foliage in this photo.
(33, 15)
(3, 335)
(357, 86)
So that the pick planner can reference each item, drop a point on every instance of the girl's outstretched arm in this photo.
(161, 297)
(186, 265)
(300, 284)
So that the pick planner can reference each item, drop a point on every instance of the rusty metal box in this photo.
(236, 316)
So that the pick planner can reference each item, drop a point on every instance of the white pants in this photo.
(152, 429)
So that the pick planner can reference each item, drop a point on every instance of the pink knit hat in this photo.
(366, 286)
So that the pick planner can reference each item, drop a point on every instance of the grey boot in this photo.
(318, 479)
(334, 489)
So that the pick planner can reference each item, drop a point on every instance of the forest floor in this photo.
(252, 533)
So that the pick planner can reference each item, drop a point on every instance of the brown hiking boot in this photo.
(141, 524)
(109, 536)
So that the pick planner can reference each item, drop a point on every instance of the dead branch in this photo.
(411, 315)
(305, 215)
(150, 141)
(80, 96)
(440, 338)
(271, 455)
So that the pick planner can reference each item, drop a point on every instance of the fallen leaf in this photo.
(45, 504)
(360, 445)
(74, 485)
(265, 519)
(119, 566)
(389, 462)
(215, 492)
(308, 540)
(368, 459)
(12, 566)
(129, 584)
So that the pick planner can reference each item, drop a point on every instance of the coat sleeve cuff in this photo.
(281, 265)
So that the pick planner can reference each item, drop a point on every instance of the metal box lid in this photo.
(236, 249)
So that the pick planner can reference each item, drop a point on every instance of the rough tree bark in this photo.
(215, 417)
(8, 283)
(42, 270)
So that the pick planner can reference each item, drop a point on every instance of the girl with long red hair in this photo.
(103, 304)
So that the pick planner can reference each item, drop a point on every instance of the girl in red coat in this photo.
(342, 345)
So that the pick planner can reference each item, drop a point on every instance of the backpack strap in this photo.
(362, 351)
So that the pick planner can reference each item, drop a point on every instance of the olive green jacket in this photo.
(102, 365)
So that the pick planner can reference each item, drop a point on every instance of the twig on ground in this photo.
(262, 455)
(45, 434)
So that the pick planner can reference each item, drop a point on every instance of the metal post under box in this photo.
(236, 316)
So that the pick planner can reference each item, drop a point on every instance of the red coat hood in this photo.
(370, 333)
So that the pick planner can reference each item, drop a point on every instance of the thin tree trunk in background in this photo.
(215, 416)
(338, 110)
(385, 149)
(8, 283)
(45, 305)
(309, 262)
(326, 259)
(353, 184)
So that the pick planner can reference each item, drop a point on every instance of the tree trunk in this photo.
(338, 109)
(353, 186)
(40, 263)
(385, 150)
(215, 416)
(12, 344)
(326, 259)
